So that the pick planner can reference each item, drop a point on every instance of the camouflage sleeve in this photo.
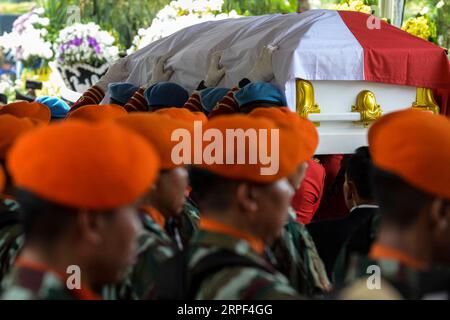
(313, 264)
(190, 218)
(241, 283)
(11, 242)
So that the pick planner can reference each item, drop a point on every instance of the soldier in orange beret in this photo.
(294, 250)
(79, 195)
(168, 226)
(11, 228)
(411, 256)
(244, 206)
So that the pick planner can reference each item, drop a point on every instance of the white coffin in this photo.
(315, 45)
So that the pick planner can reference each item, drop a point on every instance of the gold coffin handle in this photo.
(305, 100)
(368, 107)
(425, 101)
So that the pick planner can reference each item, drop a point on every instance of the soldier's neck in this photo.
(410, 241)
(57, 260)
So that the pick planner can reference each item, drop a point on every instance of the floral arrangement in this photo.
(421, 26)
(352, 5)
(26, 42)
(85, 44)
(179, 15)
(7, 87)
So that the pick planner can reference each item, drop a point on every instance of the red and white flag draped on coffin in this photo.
(314, 45)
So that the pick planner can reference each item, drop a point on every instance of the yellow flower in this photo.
(352, 5)
(418, 27)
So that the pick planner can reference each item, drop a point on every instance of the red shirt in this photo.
(333, 203)
(307, 198)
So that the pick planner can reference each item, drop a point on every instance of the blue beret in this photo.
(260, 92)
(121, 91)
(57, 106)
(211, 96)
(167, 94)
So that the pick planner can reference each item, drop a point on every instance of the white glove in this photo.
(159, 73)
(263, 70)
(117, 72)
(215, 71)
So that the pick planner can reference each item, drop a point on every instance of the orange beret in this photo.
(97, 112)
(2, 179)
(33, 110)
(84, 165)
(157, 129)
(308, 138)
(414, 145)
(281, 149)
(10, 128)
(183, 114)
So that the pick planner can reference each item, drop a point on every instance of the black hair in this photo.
(359, 171)
(400, 203)
(209, 190)
(43, 220)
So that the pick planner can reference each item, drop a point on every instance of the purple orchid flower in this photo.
(94, 44)
(76, 42)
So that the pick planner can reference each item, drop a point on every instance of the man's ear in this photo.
(351, 190)
(90, 226)
(439, 214)
(245, 197)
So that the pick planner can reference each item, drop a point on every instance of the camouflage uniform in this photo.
(154, 246)
(11, 235)
(188, 221)
(297, 258)
(26, 283)
(235, 282)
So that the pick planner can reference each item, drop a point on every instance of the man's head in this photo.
(238, 193)
(256, 208)
(210, 97)
(304, 132)
(121, 92)
(103, 241)
(358, 173)
(411, 152)
(168, 193)
(405, 207)
(259, 95)
(165, 95)
(83, 209)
